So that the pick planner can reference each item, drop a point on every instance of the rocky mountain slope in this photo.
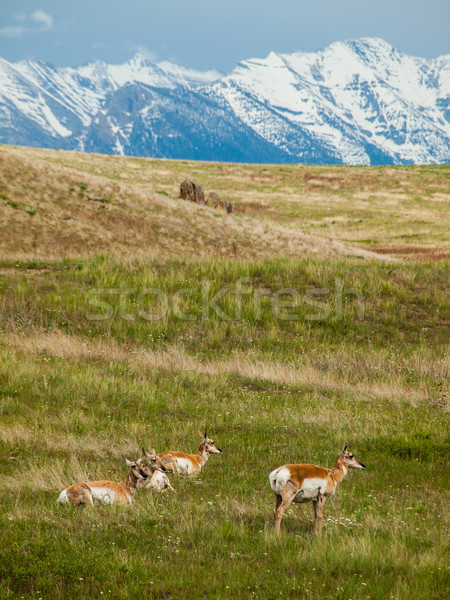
(355, 102)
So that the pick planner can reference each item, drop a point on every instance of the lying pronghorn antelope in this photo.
(156, 471)
(190, 463)
(105, 492)
(308, 483)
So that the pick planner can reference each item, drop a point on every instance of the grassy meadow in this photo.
(138, 320)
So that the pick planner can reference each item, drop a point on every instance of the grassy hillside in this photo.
(289, 210)
(110, 339)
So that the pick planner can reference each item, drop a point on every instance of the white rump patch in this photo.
(63, 497)
(279, 478)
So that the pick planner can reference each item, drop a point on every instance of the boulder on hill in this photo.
(192, 192)
(216, 201)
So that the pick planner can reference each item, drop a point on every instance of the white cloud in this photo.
(13, 31)
(44, 18)
(39, 21)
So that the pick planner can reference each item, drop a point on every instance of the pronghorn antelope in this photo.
(187, 464)
(156, 471)
(308, 483)
(105, 492)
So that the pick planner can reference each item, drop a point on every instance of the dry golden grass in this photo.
(399, 207)
(132, 221)
(358, 375)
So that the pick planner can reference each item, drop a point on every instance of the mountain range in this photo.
(355, 102)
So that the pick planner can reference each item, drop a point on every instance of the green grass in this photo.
(12, 204)
(93, 390)
(30, 210)
(102, 355)
(381, 531)
(406, 303)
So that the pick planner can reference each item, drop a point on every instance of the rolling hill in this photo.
(57, 204)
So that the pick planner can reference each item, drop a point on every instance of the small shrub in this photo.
(4, 197)
(162, 192)
(30, 210)
(83, 187)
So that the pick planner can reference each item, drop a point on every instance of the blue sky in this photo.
(207, 34)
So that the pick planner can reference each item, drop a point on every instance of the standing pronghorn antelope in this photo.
(306, 483)
(105, 492)
(190, 463)
(156, 471)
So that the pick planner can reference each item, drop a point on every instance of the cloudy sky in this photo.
(207, 34)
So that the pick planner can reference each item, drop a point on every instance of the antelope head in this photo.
(210, 446)
(136, 469)
(154, 462)
(351, 460)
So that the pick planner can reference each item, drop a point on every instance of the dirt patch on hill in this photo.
(419, 253)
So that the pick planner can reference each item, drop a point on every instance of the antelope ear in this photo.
(344, 449)
(129, 463)
(153, 452)
(139, 461)
(200, 434)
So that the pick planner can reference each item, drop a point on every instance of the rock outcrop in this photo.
(216, 201)
(194, 193)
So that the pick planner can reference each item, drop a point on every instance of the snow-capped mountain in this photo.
(357, 102)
